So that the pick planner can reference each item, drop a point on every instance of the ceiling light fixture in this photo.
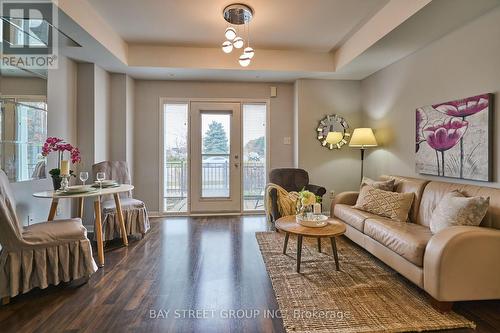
(236, 15)
(238, 42)
(227, 46)
(244, 60)
(248, 51)
(230, 33)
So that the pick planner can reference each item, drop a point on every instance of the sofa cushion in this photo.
(435, 191)
(386, 185)
(406, 239)
(407, 185)
(456, 209)
(395, 206)
(352, 216)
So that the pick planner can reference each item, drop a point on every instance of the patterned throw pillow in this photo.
(386, 185)
(457, 209)
(385, 203)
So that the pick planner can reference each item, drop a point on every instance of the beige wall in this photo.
(102, 122)
(94, 119)
(86, 114)
(464, 63)
(147, 136)
(130, 110)
(121, 124)
(118, 129)
(94, 114)
(337, 170)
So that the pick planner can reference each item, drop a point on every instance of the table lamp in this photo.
(363, 138)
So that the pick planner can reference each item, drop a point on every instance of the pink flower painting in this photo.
(445, 135)
(464, 107)
(453, 139)
(420, 121)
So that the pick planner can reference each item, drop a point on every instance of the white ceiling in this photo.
(151, 51)
(318, 25)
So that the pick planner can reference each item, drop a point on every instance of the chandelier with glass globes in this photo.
(238, 15)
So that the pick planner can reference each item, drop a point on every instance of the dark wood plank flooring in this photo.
(182, 264)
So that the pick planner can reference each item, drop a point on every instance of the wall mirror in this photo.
(333, 132)
(23, 123)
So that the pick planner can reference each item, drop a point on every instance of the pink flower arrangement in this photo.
(53, 144)
(446, 134)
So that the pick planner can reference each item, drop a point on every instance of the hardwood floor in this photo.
(182, 264)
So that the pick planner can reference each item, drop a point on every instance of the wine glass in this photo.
(84, 175)
(100, 177)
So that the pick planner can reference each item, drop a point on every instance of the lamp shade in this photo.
(334, 137)
(363, 138)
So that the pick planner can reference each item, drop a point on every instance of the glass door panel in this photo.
(215, 141)
(215, 157)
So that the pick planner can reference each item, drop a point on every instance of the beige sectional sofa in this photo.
(456, 264)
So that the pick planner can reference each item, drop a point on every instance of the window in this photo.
(22, 134)
(254, 155)
(175, 152)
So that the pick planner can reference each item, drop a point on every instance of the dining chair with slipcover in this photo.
(41, 254)
(135, 214)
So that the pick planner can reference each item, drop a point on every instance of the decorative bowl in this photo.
(316, 221)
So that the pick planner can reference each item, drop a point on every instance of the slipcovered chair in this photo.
(290, 179)
(135, 214)
(42, 254)
(39, 171)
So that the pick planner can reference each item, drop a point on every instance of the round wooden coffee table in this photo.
(288, 225)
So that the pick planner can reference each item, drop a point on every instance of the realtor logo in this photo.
(28, 38)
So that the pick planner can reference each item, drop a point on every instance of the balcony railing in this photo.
(215, 177)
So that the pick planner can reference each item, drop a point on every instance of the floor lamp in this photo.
(363, 138)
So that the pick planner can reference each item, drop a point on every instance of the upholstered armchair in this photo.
(134, 211)
(291, 180)
(41, 254)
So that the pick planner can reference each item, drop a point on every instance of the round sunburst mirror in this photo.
(333, 132)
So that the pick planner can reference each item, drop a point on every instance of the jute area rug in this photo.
(364, 296)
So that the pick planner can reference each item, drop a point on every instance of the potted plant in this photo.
(53, 144)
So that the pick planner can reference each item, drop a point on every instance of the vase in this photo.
(306, 211)
(56, 182)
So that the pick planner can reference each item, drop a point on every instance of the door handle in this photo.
(236, 165)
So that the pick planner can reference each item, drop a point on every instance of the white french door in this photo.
(215, 148)
(214, 156)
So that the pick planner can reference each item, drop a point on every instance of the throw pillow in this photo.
(386, 185)
(457, 209)
(393, 205)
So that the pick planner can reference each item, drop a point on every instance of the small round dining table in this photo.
(97, 195)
